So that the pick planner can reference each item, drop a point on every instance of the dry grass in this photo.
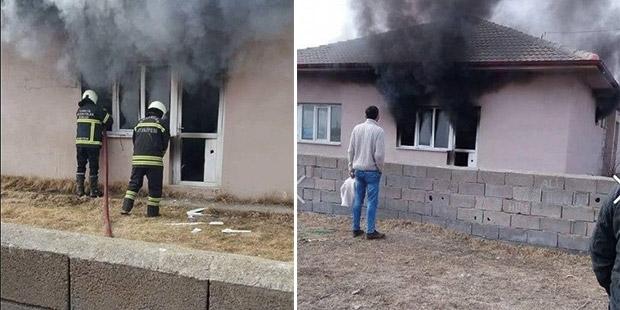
(45, 204)
(66, 186)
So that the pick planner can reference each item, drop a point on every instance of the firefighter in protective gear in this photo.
(92, 121)
(150, 141)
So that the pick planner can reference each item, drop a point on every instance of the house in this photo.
(550, 122)
(234, 137)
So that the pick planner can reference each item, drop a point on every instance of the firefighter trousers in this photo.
(154, 174)
(88, 155)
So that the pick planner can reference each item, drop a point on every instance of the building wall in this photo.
(545, 124)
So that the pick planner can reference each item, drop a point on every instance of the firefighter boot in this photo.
(127, 206)
(152, 211)
(80, 185)
(94, 187)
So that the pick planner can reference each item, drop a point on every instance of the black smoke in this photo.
(101, 39)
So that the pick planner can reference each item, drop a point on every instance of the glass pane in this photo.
(307, 121)
(129, 100)
(321, 132)
(335, 124)
(406, 132)
(442, 129)
(200, 108)
(192, 159)
(158, 86)
(426, 124)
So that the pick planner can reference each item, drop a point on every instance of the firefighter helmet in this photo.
(158, 105)
(91, 94)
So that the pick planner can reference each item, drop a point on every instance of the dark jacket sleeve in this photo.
(165, 137)
(603, 244)
(105, 118)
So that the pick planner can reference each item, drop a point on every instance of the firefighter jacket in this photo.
(150, 141)
(604, 249)
(92, 120)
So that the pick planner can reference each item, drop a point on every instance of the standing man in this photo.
(92, 121)
(366, 155)
(150, 142)
(604, 250)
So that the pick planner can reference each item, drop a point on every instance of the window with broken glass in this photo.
(430, 129)
(319, 123)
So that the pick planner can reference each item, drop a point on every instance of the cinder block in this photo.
(543, 238)
(467, 188)
(233, 296)
(420, 208)
(414, 195)
(459, 176)
(578, 213)
(546, 210)
(444, 186)
(329, 185)
(597, 200)
(485, 231)
(340, 210)
(491, 177)
(513, 234)
(35, 277)
(421, 183)
(397, 181)
(327, 162)
(518, 207)
(312, 194)
(470, 215)
(415, 171)
(525, 221)
(489, 203)
(397, 204)
(502, 191)
(331, 174)
(384, 214)
(322, 207)
(305, 207)
(557, 197)
(410, 216)
(579, 228)
(496, 218)
(459, 226)
(390, 192)
(555, 225)
(99, 285)
(439, 221)
(343, 164)
(580, 185)
(526, 194)
(439, 173)
(306, 160)
(581, 199)
(606, 186)
(573, 242)
(547, 182)
(393, 169)
(330, 197)
(7, 305)
(462, 201)
(444, 212)
(301, 171)
(438, 199)
(590, 229)
(306, 183)
(519, 179)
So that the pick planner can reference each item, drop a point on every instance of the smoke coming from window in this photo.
(101, 39)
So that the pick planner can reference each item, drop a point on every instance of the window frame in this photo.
(416, 139)
(316, 107)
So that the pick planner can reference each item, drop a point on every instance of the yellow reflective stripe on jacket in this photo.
(89, 120)
(107, 116)
(146, 163)
(155, 125)
(78, 141)
(147, 157)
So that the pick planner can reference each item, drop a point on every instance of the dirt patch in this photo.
(420, 266)
(271, 236)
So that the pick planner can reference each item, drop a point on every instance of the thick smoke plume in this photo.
(420, 57)
(102, 39)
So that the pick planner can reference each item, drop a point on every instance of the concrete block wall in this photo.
(548, 210)
(46, 269)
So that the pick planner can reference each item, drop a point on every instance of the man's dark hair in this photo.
(372, 112)
(154, 112)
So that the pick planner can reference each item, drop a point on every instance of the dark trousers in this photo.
(88, 155)
(154, 174)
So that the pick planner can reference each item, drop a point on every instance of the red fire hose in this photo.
(106, 212)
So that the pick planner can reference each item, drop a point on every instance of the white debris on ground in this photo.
(193, 214)
(196, 230)
(185, 224)
(216, 223)
(234, 231)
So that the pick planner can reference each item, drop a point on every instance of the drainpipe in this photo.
(106, 212)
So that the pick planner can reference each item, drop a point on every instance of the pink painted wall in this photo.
(354, 98)
(544, 125)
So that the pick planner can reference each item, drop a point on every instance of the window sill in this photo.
(424, 149)
(119, 134)
(319, 142)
